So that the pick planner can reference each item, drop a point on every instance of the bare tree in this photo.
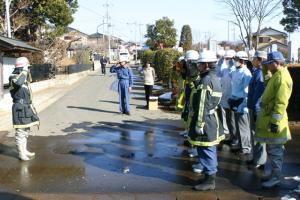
(247, 12)
(264, 9)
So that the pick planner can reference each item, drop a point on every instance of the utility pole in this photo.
(135, 37)
(7, 5)
(107, 5)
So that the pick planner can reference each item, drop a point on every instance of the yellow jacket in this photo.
(273, 109)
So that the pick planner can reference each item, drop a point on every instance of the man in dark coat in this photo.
(204, 127)
(103, 62)
(23, 113)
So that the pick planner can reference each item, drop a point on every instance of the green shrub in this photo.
(163, 62)
(146, 56)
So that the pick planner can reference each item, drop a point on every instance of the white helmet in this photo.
(242, 55)
(191, 55)
(229, 53)
(22, 62)
(123, 59)
(220, 53)
(180, 58)
(207, 56)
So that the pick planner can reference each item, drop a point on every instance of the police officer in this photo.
(23, 112)
(125, 76)
(272, 123)
(256, 89)
(238, 102)
(205, 130)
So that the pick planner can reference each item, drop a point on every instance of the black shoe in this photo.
(127, 113)
(207, 184)
(251, 163)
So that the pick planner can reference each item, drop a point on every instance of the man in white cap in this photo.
(228, 121)
(125, 76)
(238, 102)
(23, 112)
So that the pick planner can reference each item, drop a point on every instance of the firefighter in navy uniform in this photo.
(204, 127)
(23, 112)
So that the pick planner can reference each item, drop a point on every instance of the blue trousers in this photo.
(208, 159)
(123, 88)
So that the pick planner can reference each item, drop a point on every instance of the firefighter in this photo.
(23, 113)
(272, 122)
(204, 127)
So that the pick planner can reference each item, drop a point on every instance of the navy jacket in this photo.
(256, 89)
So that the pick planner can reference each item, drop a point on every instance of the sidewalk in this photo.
(45, 93)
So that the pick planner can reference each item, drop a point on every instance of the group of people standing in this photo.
(230, 99)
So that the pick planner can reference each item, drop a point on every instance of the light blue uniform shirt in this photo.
(241, 78)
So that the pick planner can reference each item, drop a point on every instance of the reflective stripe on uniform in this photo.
(271, 140)
(37, 123)
(200, 122)
(277, 117)
(206, 144)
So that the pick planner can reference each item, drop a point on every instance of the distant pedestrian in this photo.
(149, 77)
(256, 89)
(103, 62)
(125, 76)
(238, 102)
(23, 113)
(272, 125)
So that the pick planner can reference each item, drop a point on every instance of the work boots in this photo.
(272, 180)
(208, 183)
(24, 155)
(28, 153)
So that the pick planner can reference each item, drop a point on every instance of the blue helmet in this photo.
(274, 56)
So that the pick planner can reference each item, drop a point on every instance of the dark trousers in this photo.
(148, 92)
(103, 69)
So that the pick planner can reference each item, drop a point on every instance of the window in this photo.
(264, 39)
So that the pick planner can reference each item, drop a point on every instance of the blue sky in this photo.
(206, 17)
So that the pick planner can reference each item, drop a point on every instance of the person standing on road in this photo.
(256, 89)
(149, 77)
(23, 113)
(238, 102)
(272, 126)
(125, 77)
(227, 115)
(103, 62)
(204, 127)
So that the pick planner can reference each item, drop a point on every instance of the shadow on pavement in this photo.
(10, 196)
(8, 151)
(92, 109)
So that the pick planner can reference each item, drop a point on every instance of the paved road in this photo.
(87, 150)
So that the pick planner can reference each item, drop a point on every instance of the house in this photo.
(99, 42)
(9, 50)
(271, 40)
(77, 39)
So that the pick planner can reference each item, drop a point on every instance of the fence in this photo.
(71, 69)
(41, 72)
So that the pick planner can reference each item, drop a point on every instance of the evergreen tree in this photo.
(162, 34)
(186, 40)
(291, 10)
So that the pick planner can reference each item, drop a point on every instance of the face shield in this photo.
(192, 69)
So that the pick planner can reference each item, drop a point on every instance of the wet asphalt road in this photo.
(90, 148)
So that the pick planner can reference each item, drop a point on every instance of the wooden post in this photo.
(1, 77)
